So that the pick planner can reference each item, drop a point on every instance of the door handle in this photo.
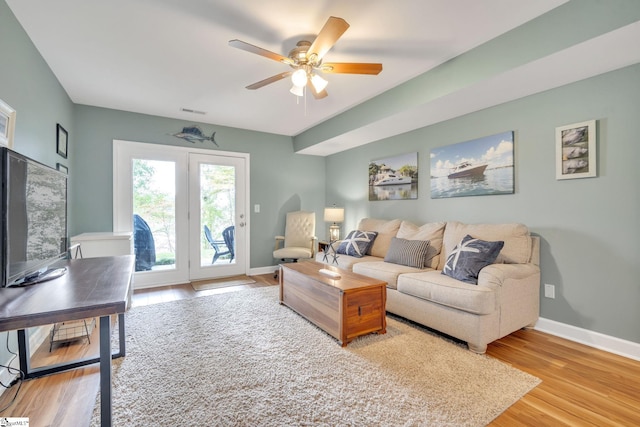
(242, 224)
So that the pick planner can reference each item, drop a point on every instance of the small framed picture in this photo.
(576, 150)
(7, 124)
(62, 168)
(62, 140)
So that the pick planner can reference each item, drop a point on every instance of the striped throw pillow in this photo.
(412, 253)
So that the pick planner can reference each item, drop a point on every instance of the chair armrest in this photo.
(313, 246)
(279, 239)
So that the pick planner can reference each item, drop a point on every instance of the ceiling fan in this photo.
(306, 61)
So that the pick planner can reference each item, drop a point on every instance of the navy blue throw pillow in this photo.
(357, 243)
(469, 257)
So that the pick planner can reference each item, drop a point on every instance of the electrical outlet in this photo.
(549, 291)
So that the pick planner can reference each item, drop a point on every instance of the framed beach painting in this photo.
(479, 167)
(394, 178)
(576, 150)
(7, 124)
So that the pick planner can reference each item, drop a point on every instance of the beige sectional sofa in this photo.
(505, 298)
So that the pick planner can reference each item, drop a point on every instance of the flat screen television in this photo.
(33, 228)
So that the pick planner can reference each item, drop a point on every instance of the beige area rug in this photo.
(222, 283)
(242, 359)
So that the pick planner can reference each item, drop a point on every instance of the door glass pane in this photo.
(154, 214)
(217, 214)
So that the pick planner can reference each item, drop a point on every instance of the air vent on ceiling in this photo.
(189, 110)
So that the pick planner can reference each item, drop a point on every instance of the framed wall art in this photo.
(394, 178)
(62, 140)
(576, 150)
(7, 124)
(480, 167)
(62, 168)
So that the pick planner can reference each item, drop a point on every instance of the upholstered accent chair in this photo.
(299, 240)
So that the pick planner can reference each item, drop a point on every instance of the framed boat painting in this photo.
(394, 178)
(479, 167)
(7, 124)
(576, 150)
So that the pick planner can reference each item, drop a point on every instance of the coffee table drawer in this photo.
(365, 312)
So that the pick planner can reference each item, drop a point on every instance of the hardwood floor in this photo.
(581, 386)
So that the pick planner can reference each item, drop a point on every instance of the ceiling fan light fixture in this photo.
(299, 78)
(297, 90)
(318, 83)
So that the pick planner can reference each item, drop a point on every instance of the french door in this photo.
(186, 209)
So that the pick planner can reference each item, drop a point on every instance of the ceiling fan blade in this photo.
(259, 51)
(351, 68)
(317, 95)
(269, 80)
(328, 36)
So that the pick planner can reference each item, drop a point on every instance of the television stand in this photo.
(92, 287)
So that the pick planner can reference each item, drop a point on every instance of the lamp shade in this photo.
(297, 90)
(318, 83)
(299, 77)
(333, 214)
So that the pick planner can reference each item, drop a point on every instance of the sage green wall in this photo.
(29, 87)
(589, 227)
(281, 180)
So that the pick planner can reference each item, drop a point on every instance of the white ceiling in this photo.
(158, 56)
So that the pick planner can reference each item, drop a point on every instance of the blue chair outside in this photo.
(224, 246)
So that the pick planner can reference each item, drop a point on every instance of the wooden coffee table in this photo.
(345, 308)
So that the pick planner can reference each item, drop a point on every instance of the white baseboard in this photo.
(597, 340)
(262, 270)
(37, 336)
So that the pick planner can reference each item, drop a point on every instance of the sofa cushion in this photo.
(469, 257)
(516, 238)
(433, 232)
(345, 261)
(438, 288)
(384, 271)
(357, 243)
(386, 229)
(411, 253)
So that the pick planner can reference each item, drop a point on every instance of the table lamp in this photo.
(334, 215)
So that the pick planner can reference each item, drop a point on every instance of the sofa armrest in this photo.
(495, 275)
(518, 287)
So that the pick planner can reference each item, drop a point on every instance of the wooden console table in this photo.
(91, 287)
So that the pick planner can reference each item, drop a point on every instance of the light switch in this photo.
(256, 208)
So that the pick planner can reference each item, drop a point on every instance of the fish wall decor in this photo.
(194, 134)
